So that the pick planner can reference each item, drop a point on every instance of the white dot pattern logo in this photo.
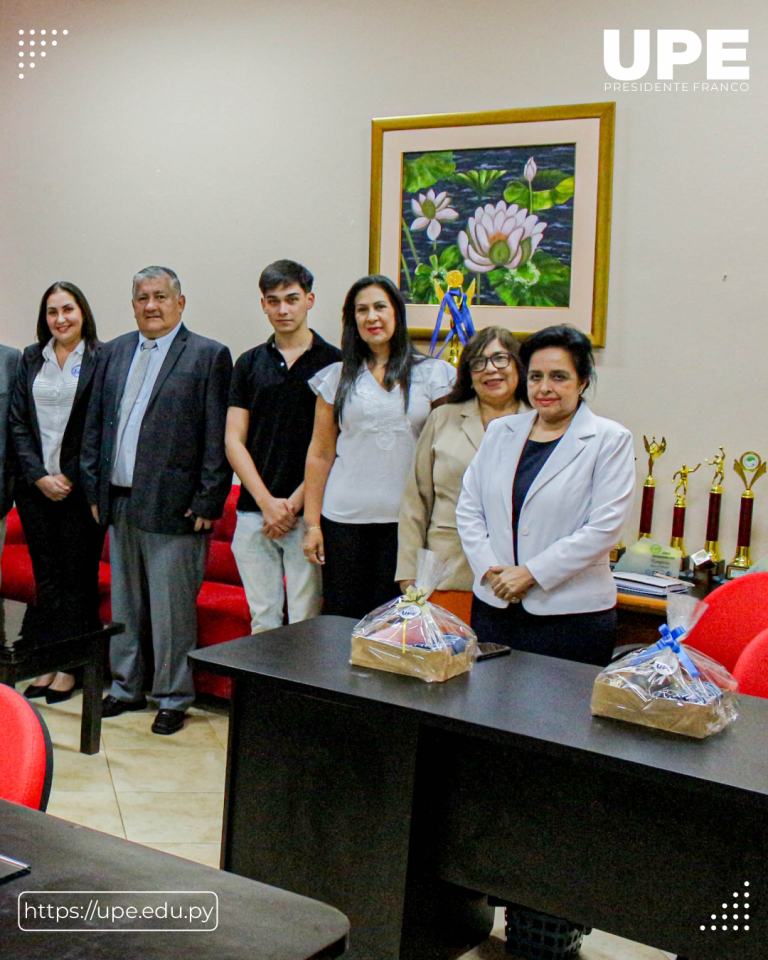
(31, 43)
(739, 906)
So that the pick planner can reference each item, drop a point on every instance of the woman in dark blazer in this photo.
(47, 416)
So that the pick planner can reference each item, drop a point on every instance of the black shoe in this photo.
(112, 707)
(33, 691)
(58, 696)
(168, 721)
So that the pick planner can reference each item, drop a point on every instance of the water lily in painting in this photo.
(500, 236)
(530, 170)
(430, 210)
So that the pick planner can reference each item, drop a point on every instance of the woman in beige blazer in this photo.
(489, 384)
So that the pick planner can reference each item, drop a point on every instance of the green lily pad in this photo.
(426, 170)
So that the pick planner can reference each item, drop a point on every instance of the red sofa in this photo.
(222, 610)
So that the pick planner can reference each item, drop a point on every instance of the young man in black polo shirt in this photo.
(269, 427)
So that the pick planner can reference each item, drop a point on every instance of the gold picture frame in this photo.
(574, 288)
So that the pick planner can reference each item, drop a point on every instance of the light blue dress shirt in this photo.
(122, 469)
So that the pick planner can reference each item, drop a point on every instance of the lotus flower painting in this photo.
(503, 216)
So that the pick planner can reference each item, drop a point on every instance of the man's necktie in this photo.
(132, 389)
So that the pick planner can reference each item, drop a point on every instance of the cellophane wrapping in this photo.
(414, 637)
(669, 685)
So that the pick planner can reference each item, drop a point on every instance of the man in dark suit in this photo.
(10, 358)
(9, 362)
(154, 468)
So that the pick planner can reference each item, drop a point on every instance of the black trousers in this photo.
(359, 570)
(65, 544)
(584, 637)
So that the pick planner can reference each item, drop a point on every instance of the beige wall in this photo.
(217, 136)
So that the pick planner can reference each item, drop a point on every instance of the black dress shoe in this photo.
(33, 691)
(168, 721)
(112, 707)
(58, 696)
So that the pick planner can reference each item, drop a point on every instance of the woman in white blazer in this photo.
(542, 505)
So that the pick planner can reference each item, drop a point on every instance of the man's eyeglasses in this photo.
(499, 360)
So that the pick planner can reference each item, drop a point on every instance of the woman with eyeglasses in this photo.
(489, 384)
(543, 503)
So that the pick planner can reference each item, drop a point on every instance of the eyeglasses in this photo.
(499, 360)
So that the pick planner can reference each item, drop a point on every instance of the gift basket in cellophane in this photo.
(414, 637)
(669, 685)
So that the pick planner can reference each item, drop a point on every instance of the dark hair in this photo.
(463, 389)
(403, 356)
(88, 331)
(568, 338)
(283, 273)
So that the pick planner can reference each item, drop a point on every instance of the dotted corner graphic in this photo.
(31, 45)
(738, 920)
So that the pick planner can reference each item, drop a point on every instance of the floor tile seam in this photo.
(143, 793)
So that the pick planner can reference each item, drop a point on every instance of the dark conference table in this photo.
(391, 798)
(255, 921)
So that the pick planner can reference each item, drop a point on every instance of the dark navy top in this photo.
(535, 454)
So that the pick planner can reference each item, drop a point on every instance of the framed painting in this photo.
(518, 201)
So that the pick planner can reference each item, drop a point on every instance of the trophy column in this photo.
(749, 463)
(712, 545)
(678, 514)
(654, 451)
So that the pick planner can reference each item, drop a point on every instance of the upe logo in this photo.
(677, 48)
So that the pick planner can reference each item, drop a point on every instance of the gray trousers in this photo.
(156, 578)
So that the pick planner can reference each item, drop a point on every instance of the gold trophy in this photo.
(712, 544)
(678, 514)
(752, 463)
(654, 451)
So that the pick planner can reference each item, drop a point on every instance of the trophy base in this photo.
(739, 565)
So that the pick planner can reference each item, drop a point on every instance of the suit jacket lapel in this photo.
(520, 427)
(87, 366)
(472, 423)
(174, 352)
(570, 446)
(123, 362)
(32, 371)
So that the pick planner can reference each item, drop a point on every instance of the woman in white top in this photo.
(370, 410)
(47, 418)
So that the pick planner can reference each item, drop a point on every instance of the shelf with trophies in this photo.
(651, 561)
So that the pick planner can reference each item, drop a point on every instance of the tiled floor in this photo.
(168, 793)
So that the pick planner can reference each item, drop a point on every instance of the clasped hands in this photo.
(280, 515)
(55, 487)
(509, 583)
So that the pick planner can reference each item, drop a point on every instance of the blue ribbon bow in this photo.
(461, 320)
(669, 638)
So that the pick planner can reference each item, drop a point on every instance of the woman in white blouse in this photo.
(47, 417)
(370, 410)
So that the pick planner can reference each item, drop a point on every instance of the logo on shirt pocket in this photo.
(76, 370)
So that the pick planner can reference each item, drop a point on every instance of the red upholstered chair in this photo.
(751, 669)
(736, 612)
(13, 530)
(26, 754)
(222, 610)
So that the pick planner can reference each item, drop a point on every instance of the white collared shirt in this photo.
(122, 470)
(53, 391)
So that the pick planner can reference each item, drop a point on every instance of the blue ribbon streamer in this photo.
(669, 638)
(461, 320)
